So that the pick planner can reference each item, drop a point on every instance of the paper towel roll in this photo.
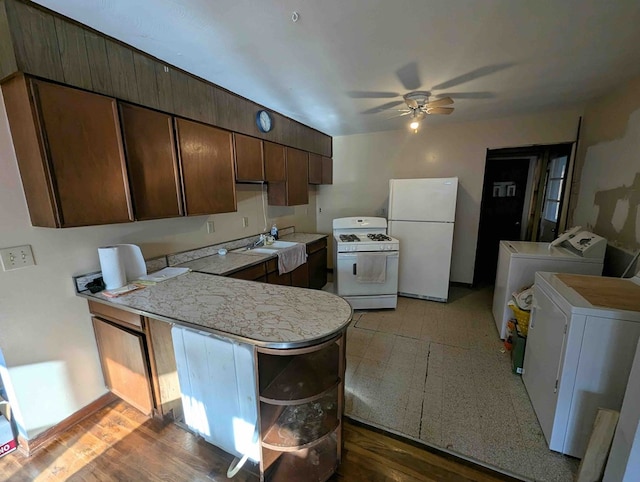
(112, 266)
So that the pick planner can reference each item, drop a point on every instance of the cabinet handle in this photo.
(355, 270)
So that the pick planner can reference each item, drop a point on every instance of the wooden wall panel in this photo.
(73, 54)
(146, 78)
(123, 72)
(8, 63)
(35, 41)
(99, 65)
(165, 89)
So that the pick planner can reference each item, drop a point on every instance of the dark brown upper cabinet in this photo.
(315, 169)
(152, 162)
(206, 160)
(249, 158)
(293, 191)
(69, 152)
(327, 170)
(274, 162)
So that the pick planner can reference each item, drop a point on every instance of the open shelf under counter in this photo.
(298, 379)
(295, 427)
(313, 464)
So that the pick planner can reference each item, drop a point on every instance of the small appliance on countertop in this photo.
(120, 264)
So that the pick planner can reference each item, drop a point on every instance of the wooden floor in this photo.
(118, 443)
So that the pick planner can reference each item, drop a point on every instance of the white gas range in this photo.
(365, 262)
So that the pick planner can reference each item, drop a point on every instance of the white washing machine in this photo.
(518, 262)
(581, 343)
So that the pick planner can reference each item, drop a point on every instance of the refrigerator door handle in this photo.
(355, 269)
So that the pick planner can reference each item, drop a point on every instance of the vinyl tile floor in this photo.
(438, 373)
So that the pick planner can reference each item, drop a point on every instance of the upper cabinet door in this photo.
(327, 170)
(152, 162)
(86, 160)
(274, 162)
(249, 158)
(315, 169)
(206, 158)
(297, 177)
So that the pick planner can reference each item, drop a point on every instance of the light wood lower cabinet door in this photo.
(124, 364)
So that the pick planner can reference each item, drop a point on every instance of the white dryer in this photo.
(581, 343)
(518, 262)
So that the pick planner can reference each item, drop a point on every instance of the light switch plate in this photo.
(245, 222)
(16, 257)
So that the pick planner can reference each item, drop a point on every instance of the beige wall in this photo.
(364, 163)
(52, 367)
(606, 194)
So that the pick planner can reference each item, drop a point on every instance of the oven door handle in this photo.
(355, 269)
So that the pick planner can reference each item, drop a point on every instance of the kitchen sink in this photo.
(269, 249)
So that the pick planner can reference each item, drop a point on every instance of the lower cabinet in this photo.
(257, 272)
(317, 263)
(137, 358)
(301, 394)
(312, 274)
(124, 359)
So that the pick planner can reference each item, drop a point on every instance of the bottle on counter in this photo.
(274, 231)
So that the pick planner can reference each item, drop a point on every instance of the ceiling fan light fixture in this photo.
(414, 125)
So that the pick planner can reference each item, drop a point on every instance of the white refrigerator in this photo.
(421, 216)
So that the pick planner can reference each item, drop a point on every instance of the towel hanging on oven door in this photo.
(371, 267)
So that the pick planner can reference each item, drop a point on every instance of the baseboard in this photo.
(28, 447)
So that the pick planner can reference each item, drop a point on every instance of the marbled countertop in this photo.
(226, 264)
(258, 313)
(303, 237)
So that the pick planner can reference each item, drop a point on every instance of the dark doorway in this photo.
(522, 199)
(503, 197)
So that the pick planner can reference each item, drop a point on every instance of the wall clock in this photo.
(264, 121)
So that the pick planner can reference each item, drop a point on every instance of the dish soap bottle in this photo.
(274, 231)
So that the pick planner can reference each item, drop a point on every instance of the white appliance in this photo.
(578, 356)
(623, 464)
(365, 263)
(421, 215)
(518, 262)
(218, 386)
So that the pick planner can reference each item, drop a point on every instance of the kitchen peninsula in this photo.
(296, 337)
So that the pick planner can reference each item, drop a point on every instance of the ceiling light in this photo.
(416, 116)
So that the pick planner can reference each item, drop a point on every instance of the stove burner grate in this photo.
(349, 238)
(378, 237)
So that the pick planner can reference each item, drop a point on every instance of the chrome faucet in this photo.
(257, 243)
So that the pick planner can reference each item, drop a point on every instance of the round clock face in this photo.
(263, 119)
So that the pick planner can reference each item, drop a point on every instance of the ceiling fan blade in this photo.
(359, 94)
(440, 102)
(412, 103)
(440, 110)
(474, 74)
(409, 76)
(470, 95)
(382, 107)
(399, 115)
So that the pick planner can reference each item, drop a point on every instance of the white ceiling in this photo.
(494, 57)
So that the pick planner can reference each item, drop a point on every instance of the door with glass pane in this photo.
(552, 200)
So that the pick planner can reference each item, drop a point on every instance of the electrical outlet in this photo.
(245, 222)
(17, 257)
(210, 228)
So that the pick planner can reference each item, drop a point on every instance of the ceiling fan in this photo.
(419, 106)
(417, 101)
